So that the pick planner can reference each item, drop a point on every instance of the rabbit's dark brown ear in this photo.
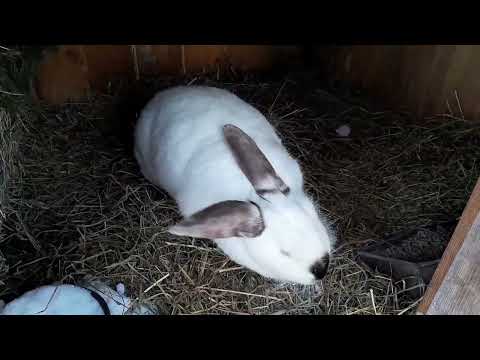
(253, 162)
(222, 220)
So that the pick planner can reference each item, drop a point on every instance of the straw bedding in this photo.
(74, 204)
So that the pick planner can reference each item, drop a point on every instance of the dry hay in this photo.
(81, 208)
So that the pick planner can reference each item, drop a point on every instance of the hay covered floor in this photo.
(78, 206)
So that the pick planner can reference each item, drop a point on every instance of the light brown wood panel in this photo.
(159, 59)
(464, 227)
(72, 71)
(107, 61)
(62, 75)
(419, 78)
(459, 293)
(198, 57)
(261, 57)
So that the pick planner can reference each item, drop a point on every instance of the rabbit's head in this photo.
(278, 234)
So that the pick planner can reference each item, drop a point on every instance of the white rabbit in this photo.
(95, 298)
(234, 182)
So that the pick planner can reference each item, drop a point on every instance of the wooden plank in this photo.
(418, 78)
(62, 75)
(74, 70)
(105, 62)
(459, 293)
(458, 76)
(465, 225)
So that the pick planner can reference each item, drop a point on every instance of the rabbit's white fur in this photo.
(67, 299)
(180, 147)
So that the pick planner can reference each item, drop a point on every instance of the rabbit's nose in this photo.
(319, 269)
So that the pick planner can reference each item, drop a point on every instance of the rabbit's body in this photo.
(184, 129)
(180, 146)
(67, 299)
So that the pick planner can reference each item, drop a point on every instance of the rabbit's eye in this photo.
(286, 253)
